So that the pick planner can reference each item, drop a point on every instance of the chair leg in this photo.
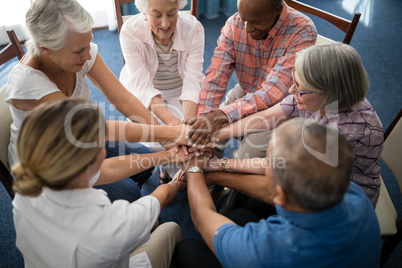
(390, 243)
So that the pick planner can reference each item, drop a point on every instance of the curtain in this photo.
(209, 8)
(12, 16)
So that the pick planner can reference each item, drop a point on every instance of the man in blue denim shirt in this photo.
(323, 220)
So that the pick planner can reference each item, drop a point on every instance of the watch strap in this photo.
(224, 161)
(194, 169)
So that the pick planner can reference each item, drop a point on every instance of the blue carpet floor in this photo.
(377, 39)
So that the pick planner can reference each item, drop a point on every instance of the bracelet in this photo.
(224, 161)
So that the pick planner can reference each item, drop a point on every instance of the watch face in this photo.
(194, 170)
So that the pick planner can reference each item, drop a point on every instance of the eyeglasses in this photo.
(297, 88)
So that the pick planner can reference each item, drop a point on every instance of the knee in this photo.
(173, 229)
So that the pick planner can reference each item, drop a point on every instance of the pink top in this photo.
(141, 58)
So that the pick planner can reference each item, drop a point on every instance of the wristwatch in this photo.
(194, 169)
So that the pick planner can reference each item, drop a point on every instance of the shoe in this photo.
(217, 196)
(164, 177)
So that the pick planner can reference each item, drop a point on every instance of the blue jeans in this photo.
(129, 188)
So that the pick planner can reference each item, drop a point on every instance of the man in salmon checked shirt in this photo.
(259, 44)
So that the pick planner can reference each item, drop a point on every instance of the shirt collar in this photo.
(77, 197)
(279, 23)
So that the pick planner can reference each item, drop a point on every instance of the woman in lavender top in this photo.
(329, 86)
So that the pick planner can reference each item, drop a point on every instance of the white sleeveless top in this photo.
(27, 83)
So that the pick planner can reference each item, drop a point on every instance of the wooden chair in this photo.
(121, 19)
(347, 26)
(391, 230)
(12, 50)
(5, 123)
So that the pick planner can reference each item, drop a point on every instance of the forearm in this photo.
(189, 110)
(258, 122)
(120, 167)
(133, 109)
(158, 107)
(165, 193)
(124, 101)
(203, 212)
(250, 165)
(198, 195)
(256, 186)
(199, 199)
(134, 132)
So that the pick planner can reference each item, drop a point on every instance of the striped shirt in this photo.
(363, 129)
(263, 67)
(167, 76)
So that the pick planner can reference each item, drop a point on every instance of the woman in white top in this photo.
(163, 49)
(60, 55)
(60, 220)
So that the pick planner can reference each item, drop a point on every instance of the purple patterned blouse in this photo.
(363, 129)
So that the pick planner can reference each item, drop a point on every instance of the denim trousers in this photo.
(129, 188)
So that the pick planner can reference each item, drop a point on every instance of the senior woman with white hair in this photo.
(163, 49)
(60, 55)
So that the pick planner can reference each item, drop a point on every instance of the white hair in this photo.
(142, 5)
(50, 23)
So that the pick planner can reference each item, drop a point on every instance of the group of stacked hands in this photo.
(310, 184)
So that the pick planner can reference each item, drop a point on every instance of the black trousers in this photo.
(196, 254)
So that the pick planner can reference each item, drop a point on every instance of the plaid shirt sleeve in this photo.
(274, 87)
(219, 72)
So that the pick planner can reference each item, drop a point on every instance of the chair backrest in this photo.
(121, 19)
(12, 50)
(391, 230)
(392, 148)
(5, 123)
(347, 26)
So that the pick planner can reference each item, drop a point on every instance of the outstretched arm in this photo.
(134, 132)
(120, 167)
(249, 165)
(165, 193)
(203, 212)
(258, 122)
(124, 101)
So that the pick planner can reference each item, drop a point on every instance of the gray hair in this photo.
(50, 22)
(312, 183)
(335, 70)
(142, 5)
